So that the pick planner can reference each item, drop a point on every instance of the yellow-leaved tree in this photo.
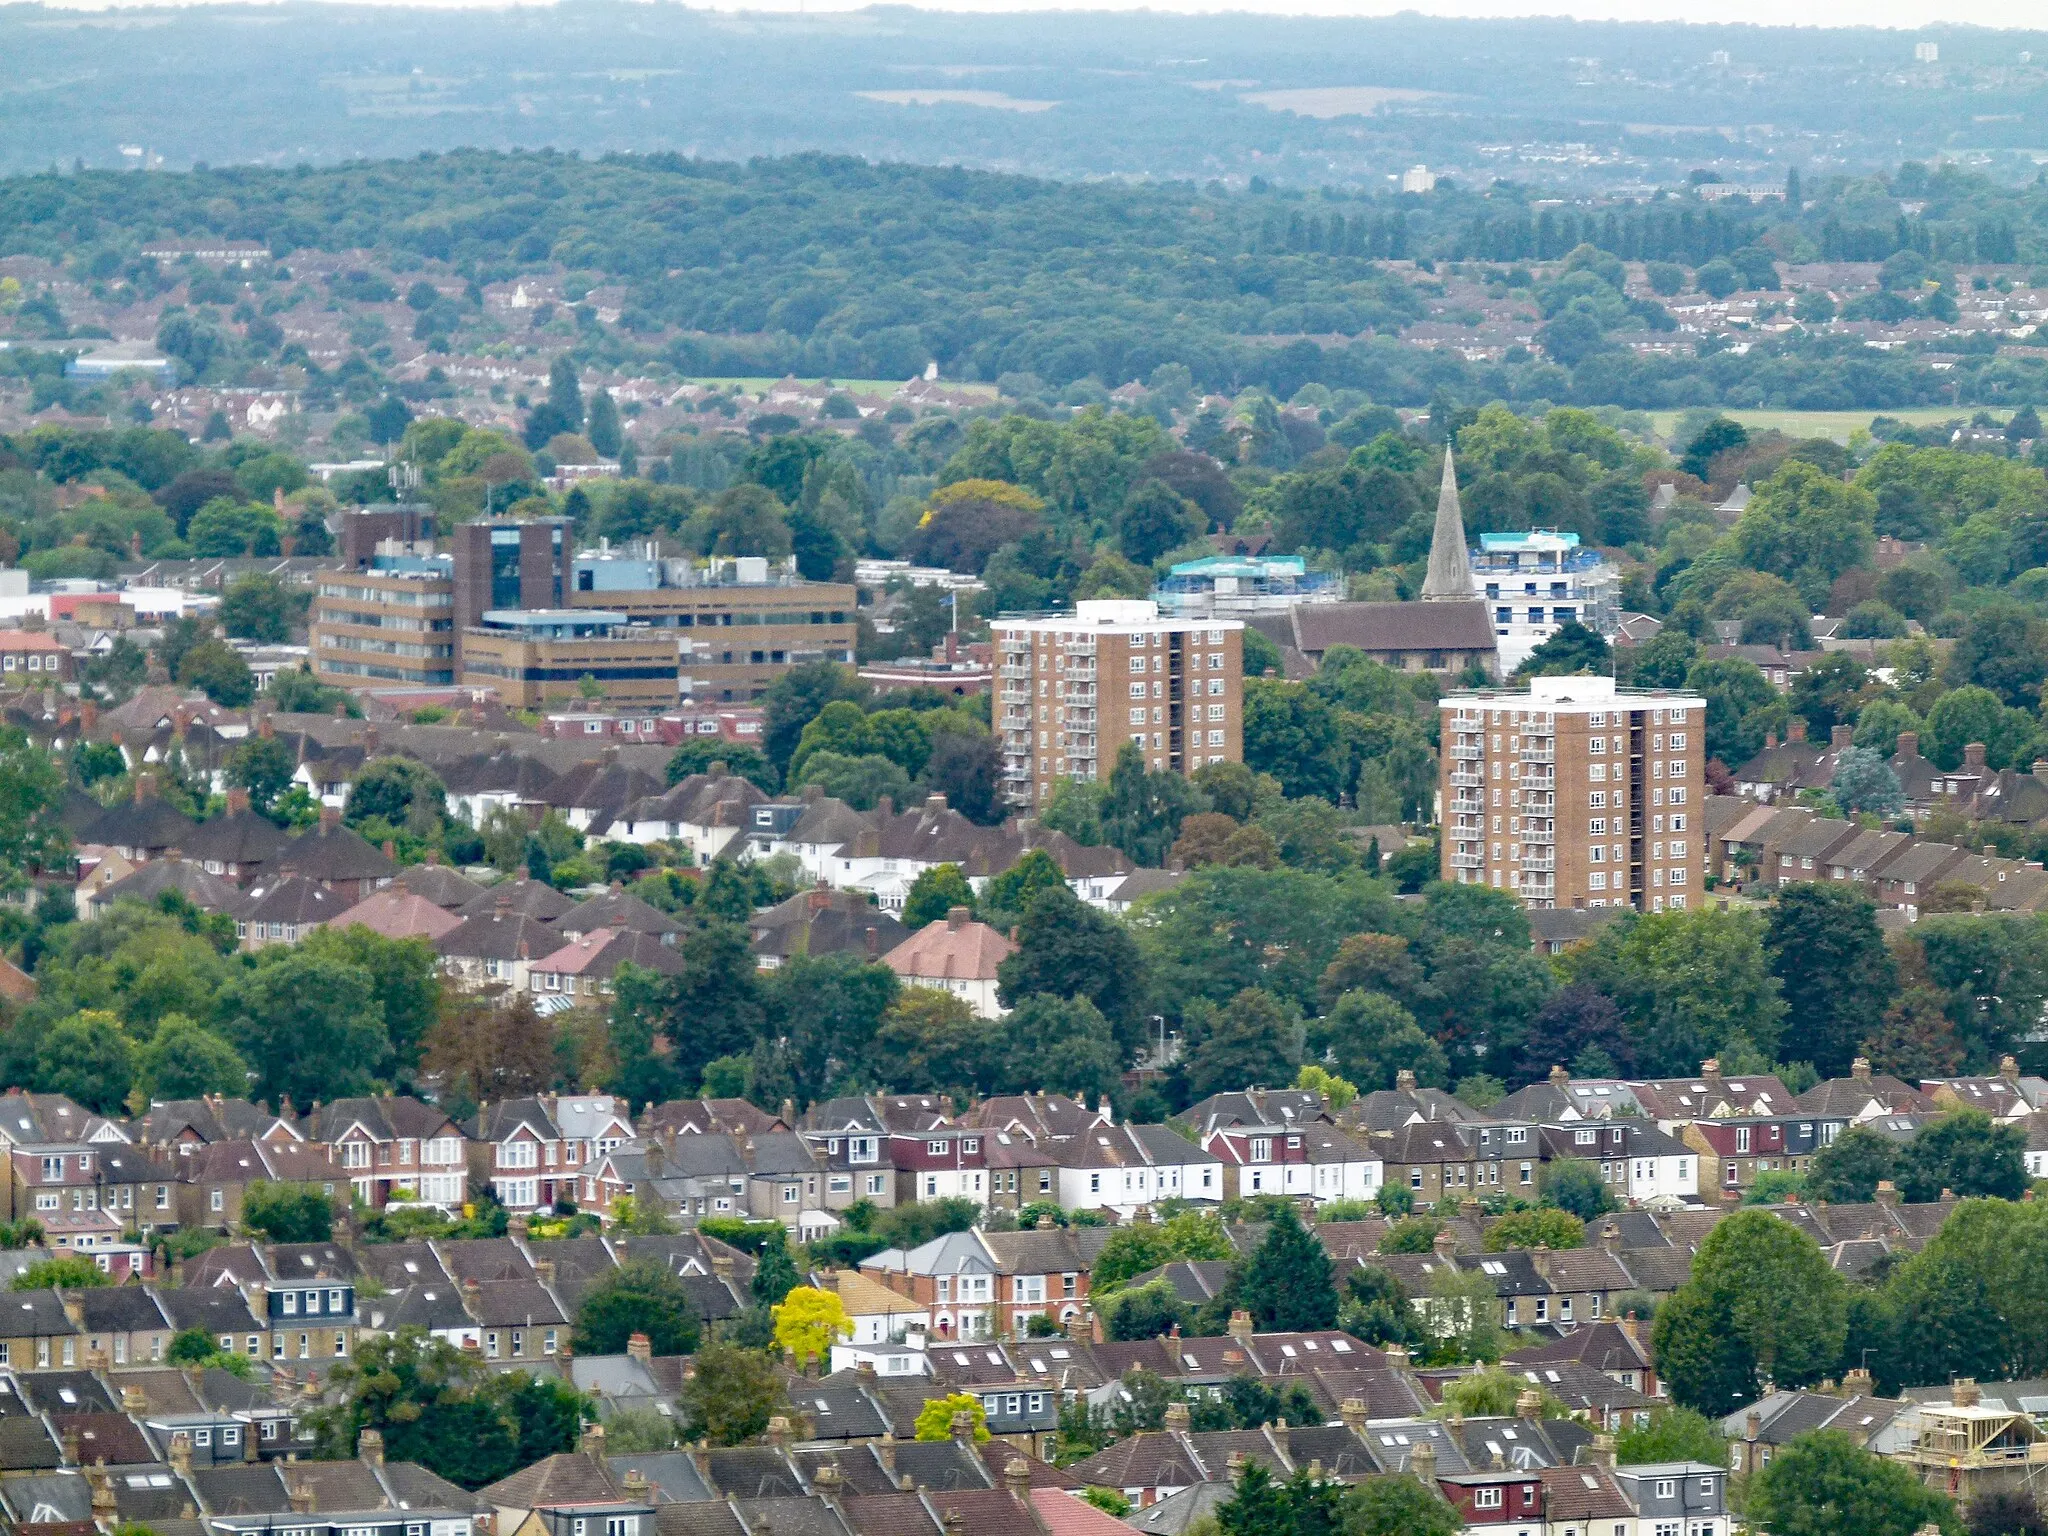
(935, 1419)
(808, 1320)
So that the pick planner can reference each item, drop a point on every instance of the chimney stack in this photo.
(1404, 1081)
(1909, 744)
(639, 1347)
(1529, 1404)
(1710, 1070)
(1795, 731)
(1423, 1462)
(1178, 1419)
(1353, 1413)
(370, 1447)
(1973, 758)
(1966, 1393)
(1859, 1069)
(1842, 736)
(1240, 1326)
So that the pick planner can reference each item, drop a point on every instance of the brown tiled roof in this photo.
(955, 948)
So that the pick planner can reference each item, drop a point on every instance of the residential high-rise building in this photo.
(1576, 793)
(1539, 581)
(1073, 688)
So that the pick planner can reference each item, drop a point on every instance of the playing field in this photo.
(1835, 424)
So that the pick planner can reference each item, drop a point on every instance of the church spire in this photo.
(1450, 567)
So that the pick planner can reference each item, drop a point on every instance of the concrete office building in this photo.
(1576, 793)
(1073, 688)
(388, 623)
(737, 624)
(538, 656)
(493, 612)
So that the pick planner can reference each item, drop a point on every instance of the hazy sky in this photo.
(1775, 13)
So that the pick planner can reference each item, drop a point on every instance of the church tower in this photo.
(1450, 566)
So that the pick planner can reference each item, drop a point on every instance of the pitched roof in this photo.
(438, 884)
(529, 898)
(397, 913)
(335, 852)
(825, 922)
(182, 876)
(281, 895)
(617, 908)
(955, 948)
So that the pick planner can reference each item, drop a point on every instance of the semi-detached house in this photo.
(1123, 1167)
(979, 1285)
(389, 1144)
(1305, 1159)
(536, 1150)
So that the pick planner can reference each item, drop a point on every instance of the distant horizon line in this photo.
(1828, 15)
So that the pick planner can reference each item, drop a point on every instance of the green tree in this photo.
(639, 1296)
(1254, 1038)
(1967, 1152)
(1825, 1484)
(257, 607)
(31, 795)
(1010, 894)
(1542, 1227)
(288, 1213)
(1373, 1039)
(1062, 1045)
(1742, 707)
(70, 1271)
(1576, 1187)
(934, 893)
(933, 1040)
(186, 1060)
(1144, 809)
(399, 791)
(1691, 984)
(1864, 781)
(775, 1271)
(1673, 1434)
(1292, 734)
(1155, 519)
(1287, 1284)
(88, 1057)
(431, 1403)
(1849, 1169)
(1762, 1303)
(1066, 948)
(263, 765)
(214, 668)
(1397, 1506)
(309, 1026)
(405, 982)
(1573, 649)
(1834, 973)
(1144, 1311)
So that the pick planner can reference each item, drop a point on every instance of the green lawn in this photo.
(1835, 424)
